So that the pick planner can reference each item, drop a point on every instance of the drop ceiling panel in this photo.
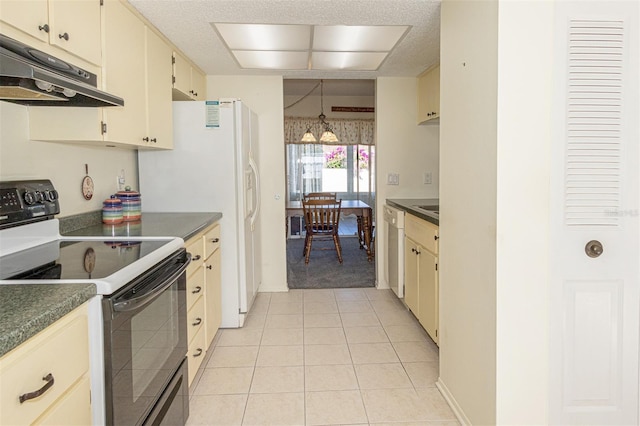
(272, 60)
(352, 61)
(356, 38)
(265, 37)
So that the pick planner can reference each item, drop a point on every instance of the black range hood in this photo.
(31, 77)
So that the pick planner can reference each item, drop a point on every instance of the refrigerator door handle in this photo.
(254, 214)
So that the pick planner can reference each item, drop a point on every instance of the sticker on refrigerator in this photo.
(212, 114)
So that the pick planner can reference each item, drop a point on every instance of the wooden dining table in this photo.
(362, 211)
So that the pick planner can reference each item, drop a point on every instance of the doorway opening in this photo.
(345, 167)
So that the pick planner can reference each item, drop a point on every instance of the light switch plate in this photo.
(427, 178)
(393, 179)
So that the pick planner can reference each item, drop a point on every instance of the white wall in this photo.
(402, 147)
(468, 161)
(21, 158)
(522, 249)
(310, 106)
(264, 96)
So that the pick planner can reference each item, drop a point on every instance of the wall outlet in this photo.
(427, 178)
(393, 179)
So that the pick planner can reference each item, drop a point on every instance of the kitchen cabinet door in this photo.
(61, 351)
(159, 96)
(30, 17)
(411, 276)
(199, 85)
(124, 65)
(213, 281)
(188, 83)
(428, 292)
(429, 95)
(75, 27)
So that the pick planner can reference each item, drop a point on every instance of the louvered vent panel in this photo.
(592, 175)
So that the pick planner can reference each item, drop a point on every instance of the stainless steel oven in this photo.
(145, 335)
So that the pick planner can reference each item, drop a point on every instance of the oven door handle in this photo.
(137, 302)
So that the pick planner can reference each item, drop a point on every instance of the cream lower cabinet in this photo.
(55, 360)
(421, 272)
(203, 295)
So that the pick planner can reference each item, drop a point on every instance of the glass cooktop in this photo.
(76, 260)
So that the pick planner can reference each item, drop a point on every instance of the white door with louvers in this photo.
(595, 256)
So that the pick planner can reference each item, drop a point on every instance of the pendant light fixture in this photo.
(328, 136)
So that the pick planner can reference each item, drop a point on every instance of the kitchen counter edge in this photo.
(27, 309)
(407, 204)
(160, 224)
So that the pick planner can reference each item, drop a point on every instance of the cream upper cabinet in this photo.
(199, 84)
(73, 26)
(429, 95)
(124, 65)
(159, 94)
(137, 67)
(55, 362)
(421, 272)
(188, 83)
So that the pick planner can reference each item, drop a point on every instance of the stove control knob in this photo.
(39, 196)
(29, 198)
(51, 195)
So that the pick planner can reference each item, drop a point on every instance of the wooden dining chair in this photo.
(321, 218)
(320, 196)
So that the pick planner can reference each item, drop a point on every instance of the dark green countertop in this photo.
(407, 204)
(183, 225)
(27, 309)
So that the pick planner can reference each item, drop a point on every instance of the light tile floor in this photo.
(321, 357)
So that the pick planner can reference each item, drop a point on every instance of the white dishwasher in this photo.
(394, 229)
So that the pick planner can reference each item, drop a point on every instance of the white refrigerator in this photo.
(213, 167)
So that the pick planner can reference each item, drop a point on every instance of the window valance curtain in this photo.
(348, 131)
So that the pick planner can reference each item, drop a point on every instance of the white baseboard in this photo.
(455, 407)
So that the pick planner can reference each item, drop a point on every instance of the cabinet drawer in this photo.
(195, 247)
(195, 287)
(73, 409)
(61, 350)
(195, 318)
(195, 355)
(422, 232)
(211, 241)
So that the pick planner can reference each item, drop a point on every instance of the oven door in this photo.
(145, 336)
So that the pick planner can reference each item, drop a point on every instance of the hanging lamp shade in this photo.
(308, 136)
(327, 134)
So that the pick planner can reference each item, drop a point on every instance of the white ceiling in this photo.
(188, 24)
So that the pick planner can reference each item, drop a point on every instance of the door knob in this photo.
(593, 248)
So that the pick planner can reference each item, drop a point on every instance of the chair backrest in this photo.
(320, 196)
(321, 216)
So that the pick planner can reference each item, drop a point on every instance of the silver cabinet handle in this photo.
(64, 36)
(44, 28)
(31, 395)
